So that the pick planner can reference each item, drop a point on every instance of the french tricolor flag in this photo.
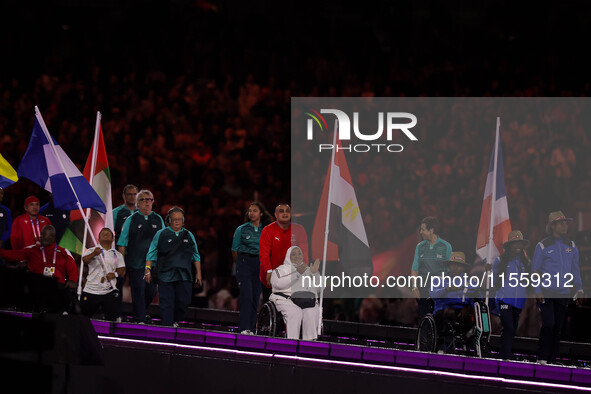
(495, 225)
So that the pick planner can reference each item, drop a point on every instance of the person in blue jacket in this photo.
(451, 306)
(556, 260)
(510, 299)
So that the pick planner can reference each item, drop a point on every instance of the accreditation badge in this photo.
(48, 271)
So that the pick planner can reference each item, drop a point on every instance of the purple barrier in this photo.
(512, 368)
(101, 327)
(190, 336)
(314, 348)
(348, 352)
(444, 361)
(220, 338)
(282, 345)
(379, 355)
(250, 342)
(481, 365)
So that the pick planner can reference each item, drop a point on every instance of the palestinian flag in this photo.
(347, 240)
(100, 180)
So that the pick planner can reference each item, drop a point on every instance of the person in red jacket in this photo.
(47, 259)
(26, 228)
(276, 239)
(50, 260)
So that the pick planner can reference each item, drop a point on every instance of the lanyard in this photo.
(54, 254)
(36, 234)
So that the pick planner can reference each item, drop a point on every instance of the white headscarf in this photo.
(285, 278)
(287, 259)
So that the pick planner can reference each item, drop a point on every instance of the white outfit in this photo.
(113, 260)
(287, 280)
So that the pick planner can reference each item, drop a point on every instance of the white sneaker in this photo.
(246, 332)
(175, 325)
(542, 362)
(118, 320)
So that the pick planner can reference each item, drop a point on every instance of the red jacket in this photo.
(274, 243)
(24, 233)
(64, 268)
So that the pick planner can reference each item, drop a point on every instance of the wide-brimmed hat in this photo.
(457, 257)
(556, 217)
(515, 236)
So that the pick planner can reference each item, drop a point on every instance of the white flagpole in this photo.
(492, 207)
(48, 136)
(91, 181)
(326, 227)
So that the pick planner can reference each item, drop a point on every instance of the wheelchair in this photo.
(475, 339)
(270, 321)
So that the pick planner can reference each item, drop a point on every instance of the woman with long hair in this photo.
(245, 252)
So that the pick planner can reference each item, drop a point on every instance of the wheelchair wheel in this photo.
(426, 335)
(267, 320)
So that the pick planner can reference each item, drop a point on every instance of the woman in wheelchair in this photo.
(453, 312)
(296, 297)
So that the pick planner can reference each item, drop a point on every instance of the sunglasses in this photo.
(146, 199)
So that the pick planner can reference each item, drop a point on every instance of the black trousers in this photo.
(91, 303)
(553, 312)
(510, 319)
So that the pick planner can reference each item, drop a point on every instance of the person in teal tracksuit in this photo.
(245, 251)
(174, 251)
(137, 234)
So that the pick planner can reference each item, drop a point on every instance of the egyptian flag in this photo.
(495, 210)
(347, 240)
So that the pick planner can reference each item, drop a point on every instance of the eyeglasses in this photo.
(147, 199)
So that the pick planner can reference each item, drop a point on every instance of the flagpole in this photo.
(59, 160)
(492, 207)
(91, 181)
(326, 228)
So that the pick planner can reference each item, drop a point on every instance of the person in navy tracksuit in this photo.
(510, 299)
(557, 260)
